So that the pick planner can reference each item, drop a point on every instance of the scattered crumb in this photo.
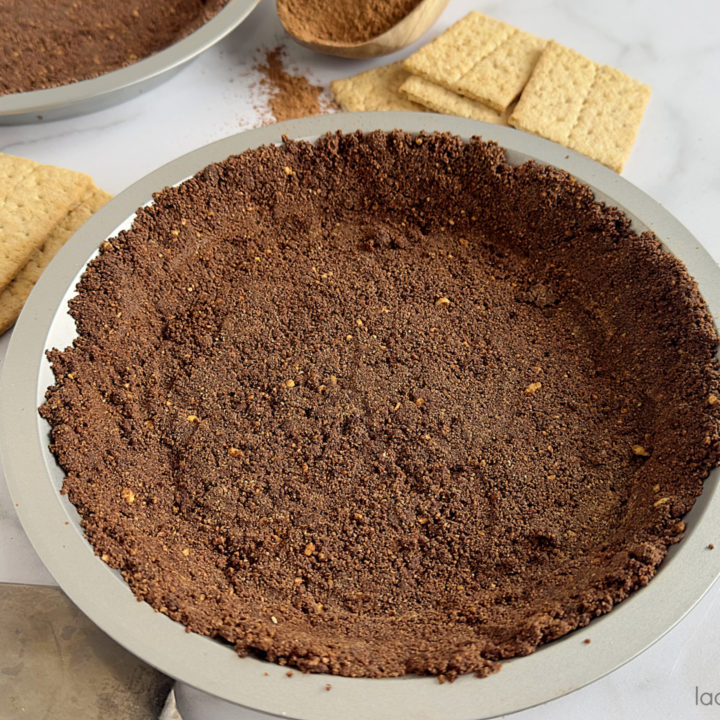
(328, 687)
(710, 547)
(587, 641)
(289, 673)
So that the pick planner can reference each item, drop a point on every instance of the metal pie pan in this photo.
(52, 524)
(118, 85)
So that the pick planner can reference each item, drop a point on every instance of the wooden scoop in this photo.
(406, 31)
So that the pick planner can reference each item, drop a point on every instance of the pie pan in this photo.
(52, 524)
(118, 85)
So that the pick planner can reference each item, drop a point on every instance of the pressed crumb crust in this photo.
(384, 404)
(46, 43)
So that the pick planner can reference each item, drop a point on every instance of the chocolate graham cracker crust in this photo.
(384, 404)
(46, 43)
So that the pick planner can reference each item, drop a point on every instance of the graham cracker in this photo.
(33, 199)
(13, 297)
(480, 57)
(591, 108)
(440, 99)
(500, 77)
(610, 118)
(453, 53)
(376, 89)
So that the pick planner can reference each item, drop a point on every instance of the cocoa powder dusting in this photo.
(372, 406)
(342, 21)
(291, 96)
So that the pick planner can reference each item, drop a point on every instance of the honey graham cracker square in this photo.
(480, 57)
(33, 199)
(440, 99)
(591, 108)
(13, 297)
(375, 89)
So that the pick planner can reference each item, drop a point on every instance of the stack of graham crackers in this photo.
(485, 69)
(41, 206)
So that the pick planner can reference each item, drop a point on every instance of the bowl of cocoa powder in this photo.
(58, 60)
(358, 28)
(381, 406)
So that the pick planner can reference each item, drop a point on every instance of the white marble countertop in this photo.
(672, 46)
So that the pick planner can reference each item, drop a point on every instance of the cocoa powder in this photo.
(290, 96)
(384, 404)
(342, 21)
